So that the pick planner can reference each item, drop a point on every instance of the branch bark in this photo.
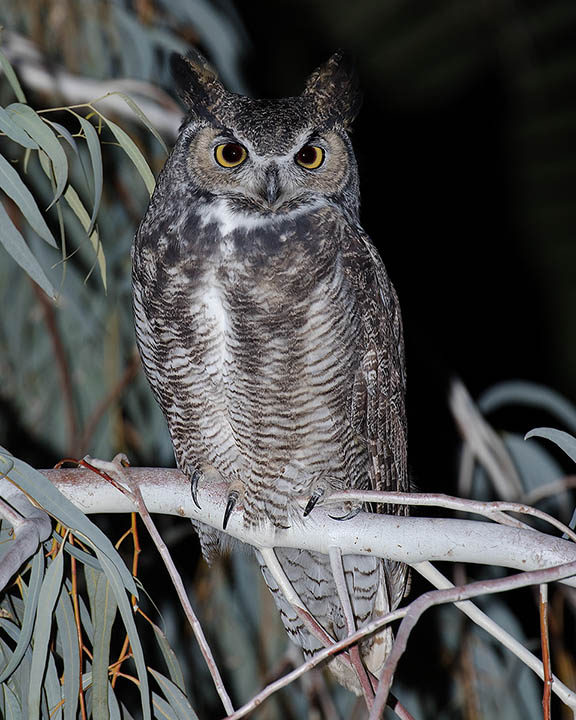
(406, 539)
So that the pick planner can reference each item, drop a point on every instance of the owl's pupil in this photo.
(232, 153)
(307, 155)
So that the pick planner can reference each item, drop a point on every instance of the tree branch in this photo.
(404, 539)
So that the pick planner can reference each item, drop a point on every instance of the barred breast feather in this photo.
(276, 356)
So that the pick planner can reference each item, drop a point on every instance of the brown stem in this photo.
(64, 370)
(129, 374)
(546, 661)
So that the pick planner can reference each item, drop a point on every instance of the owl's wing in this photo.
(378, 410)
(378, 397)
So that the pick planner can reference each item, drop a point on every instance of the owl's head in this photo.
(266, 159)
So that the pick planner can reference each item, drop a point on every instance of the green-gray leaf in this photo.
(46, 602)
(131, 149)
(176, 698)
(93, 142)
(84, 557)
(170, 658)
(521, 392)
(11, 77)
(564, 440)
(12, 708)
(52, 689)
(141, 115)
(162, 710)
(34, 588)
(37, 486)
(68, 637)
(73, 199)
(105, 607)
(44, 136)
(128, 618)
(13, 186)
(16, 246)
(15, 132)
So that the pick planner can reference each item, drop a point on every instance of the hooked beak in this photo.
(270, 187)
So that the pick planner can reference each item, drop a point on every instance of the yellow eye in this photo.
(310, 157)
(230, 155)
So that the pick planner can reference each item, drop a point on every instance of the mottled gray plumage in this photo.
(269, 330)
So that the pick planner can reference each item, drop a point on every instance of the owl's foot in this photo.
(230, 505)
(322, 491)
(235, 492)
(349, 515)
(197, 475)
(317, 495)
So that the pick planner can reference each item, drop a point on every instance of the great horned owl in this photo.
(269, 330)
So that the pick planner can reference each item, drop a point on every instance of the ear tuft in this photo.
(335, 90)
(198, 83)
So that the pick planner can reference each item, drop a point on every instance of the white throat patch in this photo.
(228, 220)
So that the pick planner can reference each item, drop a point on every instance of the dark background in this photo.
(465, 151)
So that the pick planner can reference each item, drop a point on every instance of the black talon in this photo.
(196, 475)
(232, 500)
(316, 495)
(348, 516)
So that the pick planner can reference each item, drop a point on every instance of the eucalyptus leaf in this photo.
(170, 658)
(73, 200)
(86, 620)
(12, 707)
(16, 247)
(84, 557)
(113, 705)
(13, 186)
(21, 677)
(66, 134)
(521, 392)
(11, 77)
(564, 440)
(38, 487)
(176, 698)
(44, 136)
(52, 690)
(141, 115)
(68, 637)
(49, 593)
(132, 151)
(14, 131)
(103, 619)
(162, 709)
(36, 577)
(126, 611)
(93, 143)
(535, 465)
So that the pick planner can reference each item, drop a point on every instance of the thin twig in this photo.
(133, 492)
(90, 426)
(486, 445)
(434, 576)
(116, 667)
(495, 510)
(319, 657)
(552, 488)
(546, 660)
(314, 628)
(78, 623)
(456, 594)
(63, 368)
